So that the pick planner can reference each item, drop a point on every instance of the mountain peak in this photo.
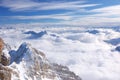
(28, 63)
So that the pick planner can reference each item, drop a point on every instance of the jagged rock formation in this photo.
(5, 73)
(64, 73)
(28, 63)
(1, 47)
(1, 44)
(4, 60)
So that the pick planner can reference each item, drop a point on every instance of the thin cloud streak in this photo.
(23, 5)
(111, 11)
(100, 17)
(62, 17)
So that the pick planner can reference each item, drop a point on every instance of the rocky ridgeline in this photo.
(5, 72)
(28, 63)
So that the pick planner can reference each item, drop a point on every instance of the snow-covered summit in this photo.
(28, 63)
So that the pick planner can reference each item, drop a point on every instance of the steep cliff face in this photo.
(28, 63)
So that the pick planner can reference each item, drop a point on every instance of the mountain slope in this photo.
(28, 63)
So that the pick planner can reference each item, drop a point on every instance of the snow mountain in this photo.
(28, 63)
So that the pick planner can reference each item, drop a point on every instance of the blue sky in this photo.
(74, 12)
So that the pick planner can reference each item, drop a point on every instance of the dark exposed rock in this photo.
(1, 44)
(4, 60)
(1, 47)
(5, 73)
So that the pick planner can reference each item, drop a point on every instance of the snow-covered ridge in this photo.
(30, 64)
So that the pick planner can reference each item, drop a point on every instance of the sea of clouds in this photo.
(88, 52)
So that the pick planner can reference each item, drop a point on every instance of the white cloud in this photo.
(67, 6)
(112, 11)
(22, 5)
(98, 17)
(106, 16)
(37, 17)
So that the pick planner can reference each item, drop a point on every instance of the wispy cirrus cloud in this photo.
(111, 11)
(31, 5)
(105, 16)
(61, 17)
(77, 12)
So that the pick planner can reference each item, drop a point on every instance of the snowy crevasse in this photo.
(28, 63)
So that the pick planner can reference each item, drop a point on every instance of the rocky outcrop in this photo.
(1, 44)
(4, 60)
(5, 73)
(1, 47)
(65, 73)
